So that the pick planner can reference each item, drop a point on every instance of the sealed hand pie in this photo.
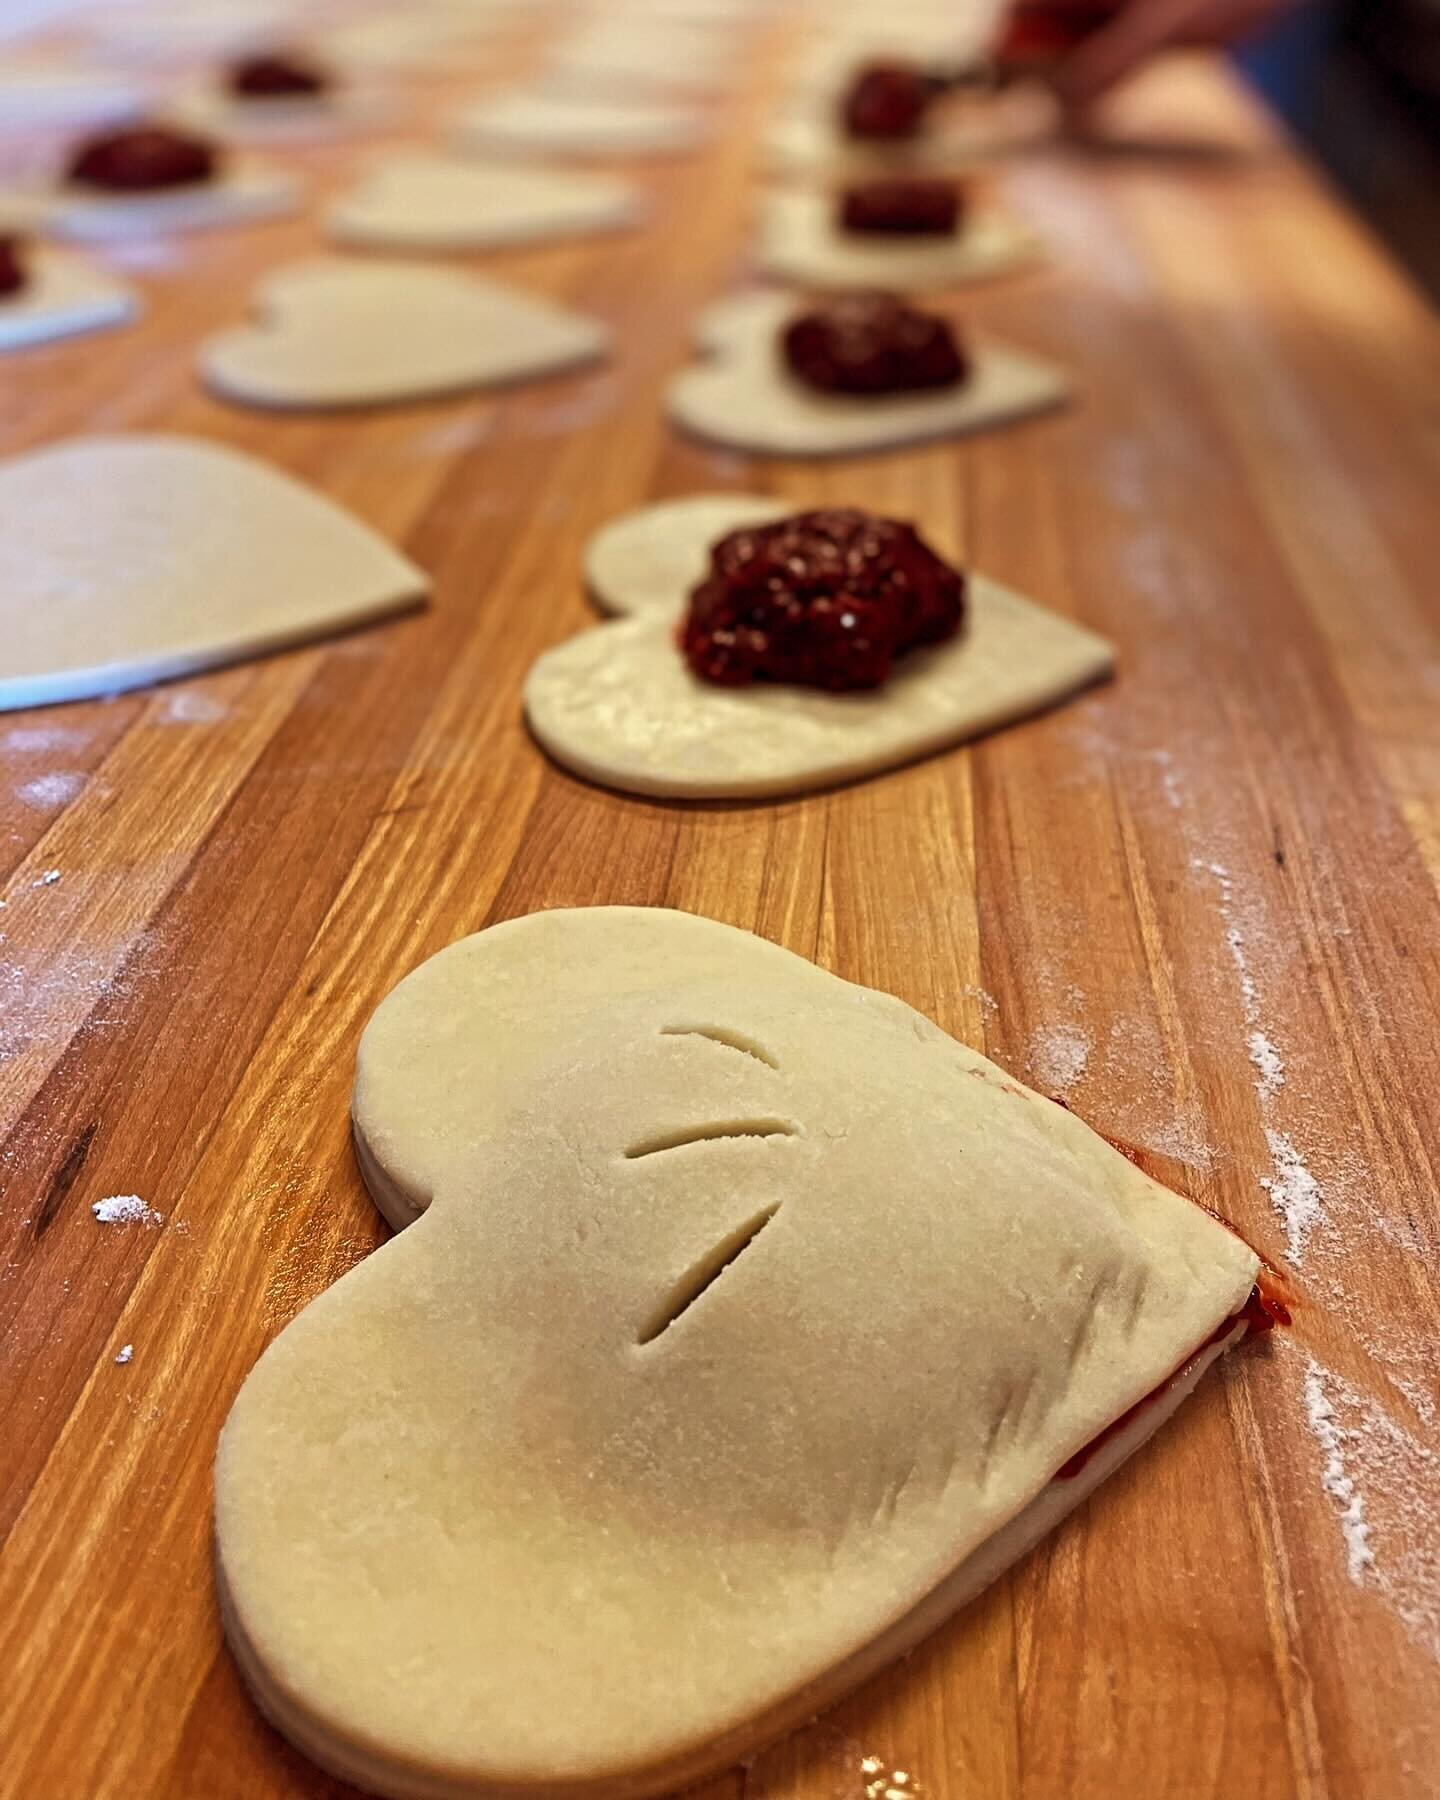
(746, 1326)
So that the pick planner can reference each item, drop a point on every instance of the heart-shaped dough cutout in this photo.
(801, 241)
(338, 112)
(126, 560)
(619, 704)
(242, 193)
(749, 1326)
(63, 296)
(337, 333)
(742, 396)
(418, 202)
(536, 124)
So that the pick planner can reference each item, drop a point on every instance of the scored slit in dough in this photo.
(801, 241)
(741, 395)
(744, 1325)
(619, 704)
(334, 333)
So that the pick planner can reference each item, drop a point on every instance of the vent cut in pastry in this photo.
(743, 1324)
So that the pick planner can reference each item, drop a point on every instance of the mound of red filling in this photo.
(276, 76)
(873, 344)
(902, 208)
(824, 599)
(13, 273)
(887, 100)
(143, 158)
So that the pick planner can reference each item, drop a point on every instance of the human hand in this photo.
(1107, 42)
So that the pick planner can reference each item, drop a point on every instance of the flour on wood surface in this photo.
(1059, 1055)
(1384, 1485)
(125, 1209)
(47, 792)
(124, 1355)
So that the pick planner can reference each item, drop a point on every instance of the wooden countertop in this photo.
(1217, 871)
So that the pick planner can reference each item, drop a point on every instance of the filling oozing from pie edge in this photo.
(143, 159)
(14, 276)
(897, 208)
(823, 599)
(277, 75)
(888, 101)
(873, 344)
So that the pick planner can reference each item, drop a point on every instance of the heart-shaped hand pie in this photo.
(748, 1325)
(240, 194)
(740, 394)
(62, 296)
(418, 202)
(801, 242)
(620, 705)
(359, 334)
(126, 560)
(542, 125)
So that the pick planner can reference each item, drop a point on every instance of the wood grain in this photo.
(1241, 836)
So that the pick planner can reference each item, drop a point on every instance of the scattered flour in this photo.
(1058, 1057)
(125, 1354)
(1294, 1192)
(47, 792)
(989, 1005)
(48, 879)
(31, 740)
(1385, 1486)
(192, 709)
(125, 1209)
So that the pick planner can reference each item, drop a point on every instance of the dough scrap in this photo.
(63, 297)
(418, 202)
(740, 394)
(336, 333)
(800, 242)
(619, 705)
(744, 1324)
(126, 560)
(542, 125)
(243, 193)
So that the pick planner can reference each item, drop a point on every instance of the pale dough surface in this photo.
(801, 241)
(286, 119)
(337, 333)
(126, 560)
(417, 40)
(35, 94)
(242, 193)
(488, 1525)
(539, 124)
(741, 395)
(173, 31)
(648, 560)
(808, 141)
(419, 202)
(63, 297)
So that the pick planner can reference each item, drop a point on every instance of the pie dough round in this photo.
(744, 1325)
(741, 395)
(532, 124)
(419, 202)
(243, 193)
(336, 333)
(63, 297)
(189, 556)
(802, 242)
(340, 112)
(619, 705)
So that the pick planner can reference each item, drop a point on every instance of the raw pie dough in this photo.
(544, 1498)
(541, 125)
(420, 202)
(127, 560)
(63, 297)
(619, 705)
(38, 94)
(242, 193)
(288, 118)
(807, 141)
(801, 242)
(741, 395)
(338, 333)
